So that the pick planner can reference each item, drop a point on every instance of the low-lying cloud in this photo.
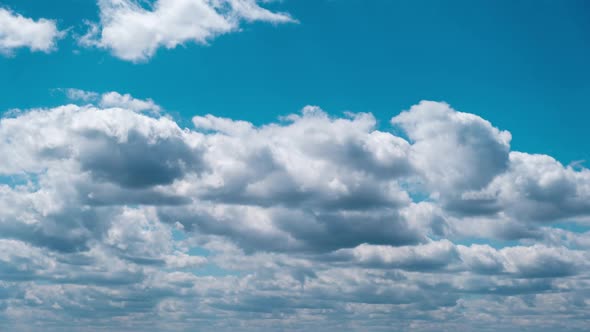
(114, 217)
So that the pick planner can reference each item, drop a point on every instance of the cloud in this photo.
(480, 151)
(539, 188)
(536, 261)
(17, 31)
(113, 99)
(134, 31)
(81, 95)
(114, 217)
(430, 256)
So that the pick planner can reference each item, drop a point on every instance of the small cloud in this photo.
(81, 95)
(17, 31)
(115, 99)
(112, 99)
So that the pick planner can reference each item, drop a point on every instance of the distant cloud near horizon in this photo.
(312, 218)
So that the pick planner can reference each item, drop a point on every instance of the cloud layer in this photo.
(111, 217)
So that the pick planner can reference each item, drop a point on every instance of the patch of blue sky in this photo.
(14, 180)
(573, 226)
(522, 65)
(494, 243)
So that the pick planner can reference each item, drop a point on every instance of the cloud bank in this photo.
(134, 30)
(111, 217)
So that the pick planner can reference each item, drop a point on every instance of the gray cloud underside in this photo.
(113, 218)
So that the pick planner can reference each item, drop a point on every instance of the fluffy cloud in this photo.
(134, 30)
(17, 31)
(480, 151)
(114, 216)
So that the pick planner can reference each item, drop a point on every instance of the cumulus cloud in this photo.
(134, 30)
(480, 151)
(122, 219)
(17, 31)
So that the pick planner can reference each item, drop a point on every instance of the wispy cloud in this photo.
(112, 99)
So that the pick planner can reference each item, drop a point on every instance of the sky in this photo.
(333, 165)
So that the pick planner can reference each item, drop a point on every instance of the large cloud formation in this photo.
(111, 217)
(134, 30)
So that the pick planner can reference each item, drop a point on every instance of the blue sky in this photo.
(523, 65)
(325, 165)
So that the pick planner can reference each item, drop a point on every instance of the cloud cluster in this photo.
(134, 30)
(113, 217)
(17, 31)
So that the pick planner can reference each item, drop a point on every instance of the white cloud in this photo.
(434, 255)
(17, 31)
(537, 261)
(82, 95)
(479, 151)
(539, 188)
(134, 31)
(113, 99)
